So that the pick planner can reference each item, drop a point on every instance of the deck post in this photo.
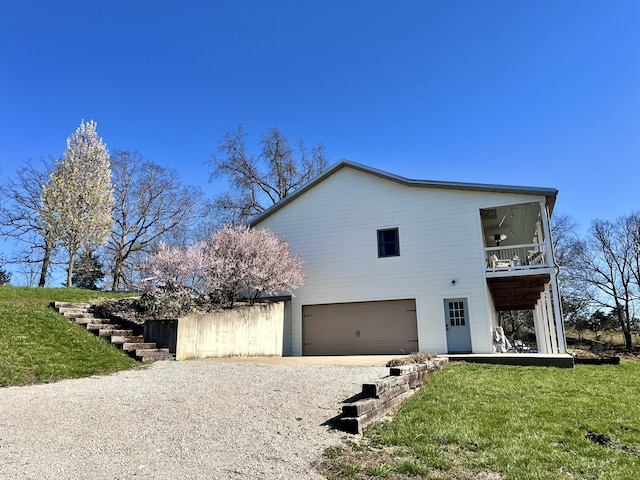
(550, 316)
(555, 291)
(557, 313)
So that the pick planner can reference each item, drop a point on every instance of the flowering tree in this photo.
(234, 263)
(175, 267)
(78, 200)
(246, 263)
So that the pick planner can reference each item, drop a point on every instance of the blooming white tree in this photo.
(78, 200)
(234, 263)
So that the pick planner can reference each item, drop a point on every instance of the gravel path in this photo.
(186, 420)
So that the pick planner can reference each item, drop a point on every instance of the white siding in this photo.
(333, 228)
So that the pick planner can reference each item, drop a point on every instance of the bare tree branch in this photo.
(150, 202)
(257, 183)
(19, 214)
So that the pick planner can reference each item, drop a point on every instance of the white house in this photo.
(396, 265)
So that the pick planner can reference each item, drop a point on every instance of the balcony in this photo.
(530, 256)
(520, 269)
(517, 254)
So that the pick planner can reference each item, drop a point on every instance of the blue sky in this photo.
(543, 93)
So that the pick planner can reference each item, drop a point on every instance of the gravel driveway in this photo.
(184, 420)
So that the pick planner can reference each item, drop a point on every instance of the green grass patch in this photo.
(39, 345)
(503, 422)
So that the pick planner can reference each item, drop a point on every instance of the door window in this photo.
(456, 313)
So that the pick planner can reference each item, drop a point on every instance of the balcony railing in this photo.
(516, 257)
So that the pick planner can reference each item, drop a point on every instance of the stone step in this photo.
(77, 305)
(88, 320)
(80, 315)
(99, 326)
(71, 312)
(103, 321)
(131, 346)
(108, 332)
(120, 340)
(116, 334)
(154, 354)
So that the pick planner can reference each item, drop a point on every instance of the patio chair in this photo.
(520, 347)
(501, 343)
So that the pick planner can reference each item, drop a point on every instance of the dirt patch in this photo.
(359, 462)
(604, 440)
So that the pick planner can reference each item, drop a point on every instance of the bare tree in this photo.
(256, 183)
(20, 219)
(77, 201)
(631, 229)
(150, 203)
(566, 247)
(564, 231)
(604, 271)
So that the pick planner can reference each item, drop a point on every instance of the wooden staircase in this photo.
(113, 332)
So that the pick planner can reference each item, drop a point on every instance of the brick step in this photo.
(131, 346)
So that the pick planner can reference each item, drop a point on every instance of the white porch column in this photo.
(543, 336)
(544, 321)
(536, 326)
(546, 227)
(548, 306)
(557, 313)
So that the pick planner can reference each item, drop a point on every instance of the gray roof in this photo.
(549, 193)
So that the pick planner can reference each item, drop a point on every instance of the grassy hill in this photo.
(38, 345)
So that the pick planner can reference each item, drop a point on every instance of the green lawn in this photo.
(493, 422)
(38, 345)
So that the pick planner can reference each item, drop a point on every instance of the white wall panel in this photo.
(333, 228)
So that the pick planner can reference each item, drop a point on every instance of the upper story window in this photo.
(388, 243)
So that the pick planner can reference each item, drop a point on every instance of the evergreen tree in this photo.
(5, 277)
(88, 271)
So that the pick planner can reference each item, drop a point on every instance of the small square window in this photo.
(388, 243)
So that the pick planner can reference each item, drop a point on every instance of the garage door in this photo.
(363, 328)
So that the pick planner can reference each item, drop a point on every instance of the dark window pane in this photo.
(388, 243)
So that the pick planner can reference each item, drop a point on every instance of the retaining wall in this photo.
(241, 332)
(379, 398)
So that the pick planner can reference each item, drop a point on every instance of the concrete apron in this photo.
(346, 360)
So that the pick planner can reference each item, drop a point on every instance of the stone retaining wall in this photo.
(379, 398)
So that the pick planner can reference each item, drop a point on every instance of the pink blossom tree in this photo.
(234, 263)
(176, 268)
(247, 263)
